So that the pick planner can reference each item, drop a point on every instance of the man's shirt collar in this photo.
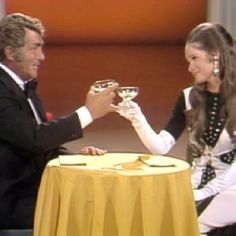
(13, 75)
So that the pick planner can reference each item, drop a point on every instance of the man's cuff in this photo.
(84, 116)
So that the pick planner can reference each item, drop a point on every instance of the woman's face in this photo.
(200, 64)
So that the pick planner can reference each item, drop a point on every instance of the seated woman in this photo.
(207, 110)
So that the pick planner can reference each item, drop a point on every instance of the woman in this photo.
(208, 111)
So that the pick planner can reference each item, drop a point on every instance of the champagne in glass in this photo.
(127, 93)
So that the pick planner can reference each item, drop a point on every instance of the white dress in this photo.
(221, 210)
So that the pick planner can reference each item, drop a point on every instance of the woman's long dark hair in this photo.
(213, 38)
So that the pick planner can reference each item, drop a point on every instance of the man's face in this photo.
(28, 58)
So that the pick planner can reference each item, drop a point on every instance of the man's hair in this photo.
(12, 30)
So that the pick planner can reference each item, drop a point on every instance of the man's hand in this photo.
(93, 151)
(99, 104)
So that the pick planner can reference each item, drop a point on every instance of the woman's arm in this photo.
(157, 143)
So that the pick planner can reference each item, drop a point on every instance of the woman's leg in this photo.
(220, 212)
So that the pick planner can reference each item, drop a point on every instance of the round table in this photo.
(116, 195)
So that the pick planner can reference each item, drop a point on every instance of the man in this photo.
(27, 140)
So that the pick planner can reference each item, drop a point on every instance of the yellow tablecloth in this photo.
(103, 199)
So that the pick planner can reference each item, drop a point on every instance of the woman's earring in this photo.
(216, 69)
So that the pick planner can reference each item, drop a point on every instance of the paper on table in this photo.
(117, 160)
(72, 160)
(156, 161)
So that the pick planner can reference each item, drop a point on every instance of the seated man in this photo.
(27, 140)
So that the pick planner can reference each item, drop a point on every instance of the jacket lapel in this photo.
(16, 91)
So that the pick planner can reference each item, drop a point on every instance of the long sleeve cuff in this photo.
(84, 116)
(199, 194)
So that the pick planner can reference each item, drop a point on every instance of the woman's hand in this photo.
(131, 111)
(93, 151)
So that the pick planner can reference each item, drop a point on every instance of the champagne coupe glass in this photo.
(100, 85)
(127, 93)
